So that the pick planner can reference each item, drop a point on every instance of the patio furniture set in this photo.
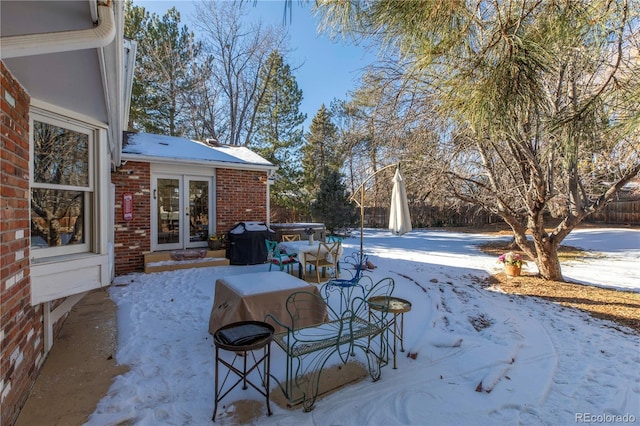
(314, 326)
(291, 251)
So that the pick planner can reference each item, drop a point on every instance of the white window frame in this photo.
(89, 224)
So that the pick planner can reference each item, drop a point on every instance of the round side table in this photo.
(242, 338)
(397, 307)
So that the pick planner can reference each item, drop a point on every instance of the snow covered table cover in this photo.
(252, 296)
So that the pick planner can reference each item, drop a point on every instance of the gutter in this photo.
(63, 41)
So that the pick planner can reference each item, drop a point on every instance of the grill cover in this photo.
(246, 243)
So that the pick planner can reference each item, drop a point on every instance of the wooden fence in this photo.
(618, 212)
(426, 216)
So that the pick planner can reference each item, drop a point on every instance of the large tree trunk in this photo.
(544, 250)
(547, 259)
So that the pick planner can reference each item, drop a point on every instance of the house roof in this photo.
(160, 148)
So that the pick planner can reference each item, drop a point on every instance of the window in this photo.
(61, 187)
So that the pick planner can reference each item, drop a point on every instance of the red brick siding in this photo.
(132, 238)
(241, 196)
(21, 331)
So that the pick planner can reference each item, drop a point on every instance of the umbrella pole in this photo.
(361, 205)
(362, 226)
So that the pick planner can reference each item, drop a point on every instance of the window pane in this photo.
(168, 211)
(198, 210)
(56, 218)
(61, 156)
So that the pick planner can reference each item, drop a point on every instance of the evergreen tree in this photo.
(278, 135)
(322, 149)
(166, 55)
(135, 24)
(332, 206)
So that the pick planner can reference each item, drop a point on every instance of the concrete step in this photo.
(183, 259)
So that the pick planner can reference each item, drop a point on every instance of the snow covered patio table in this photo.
(252, 296)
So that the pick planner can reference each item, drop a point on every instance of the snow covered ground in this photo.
(527, 361)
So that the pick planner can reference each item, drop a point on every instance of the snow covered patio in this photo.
(477, 356)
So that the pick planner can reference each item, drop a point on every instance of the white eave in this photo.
(52, 46)
(63, 41)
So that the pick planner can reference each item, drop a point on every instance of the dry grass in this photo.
(622, 307)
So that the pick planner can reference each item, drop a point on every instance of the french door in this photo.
(182, 210)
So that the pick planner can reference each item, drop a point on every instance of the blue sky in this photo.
(326, 69)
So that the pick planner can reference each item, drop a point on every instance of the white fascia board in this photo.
(112, 65)
(216, 164)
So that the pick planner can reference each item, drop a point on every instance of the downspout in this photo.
(63, 41)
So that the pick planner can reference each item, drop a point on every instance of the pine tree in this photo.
(322, 149)
(278, 135)
(166, 55)
(332, 206)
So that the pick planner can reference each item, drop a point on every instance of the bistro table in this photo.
(299, 248)
(397, 307)
(242, 338)
(250, 297)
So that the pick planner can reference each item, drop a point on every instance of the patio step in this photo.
(183, 259)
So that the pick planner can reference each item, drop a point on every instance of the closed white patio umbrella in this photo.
(399, 217)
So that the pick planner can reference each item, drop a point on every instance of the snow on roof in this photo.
(178, 148)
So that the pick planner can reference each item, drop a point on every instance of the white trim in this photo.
(157, 161)
(89, 191)
(130, 50)
(183, 176)
(64, 276)
(186, 231)
(64, 115)
(51, 317)
(103, 220)
(154, 211)
(182, 169)
(73, 126)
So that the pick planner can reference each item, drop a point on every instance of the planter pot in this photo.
(512, 270)
(215, 245)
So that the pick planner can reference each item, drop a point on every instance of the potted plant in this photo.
(512, 263)
(217, 241)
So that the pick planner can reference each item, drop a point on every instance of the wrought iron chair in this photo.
(346, 287)
(276, 257)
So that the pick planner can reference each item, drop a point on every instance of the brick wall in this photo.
(240, 196)
(21, 332)
(132, 238)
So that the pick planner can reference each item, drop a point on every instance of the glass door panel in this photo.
(168, 211)
(198, 211)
